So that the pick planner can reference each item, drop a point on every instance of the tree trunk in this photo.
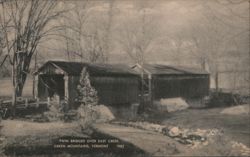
(13, 107)
(34, 79)
(19, 74)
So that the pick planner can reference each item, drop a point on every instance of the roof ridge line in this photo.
(174, 68)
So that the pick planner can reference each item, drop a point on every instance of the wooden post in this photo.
(142, 104)
(150, 88)
(26, 102)
(217, 81)
(48, 98)
(35, 87)
(66, 90)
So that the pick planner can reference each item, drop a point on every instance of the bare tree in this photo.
(217, 32)
(1, 45)
(107, 37)
(24, 24)
(136, 37)
(87, 35)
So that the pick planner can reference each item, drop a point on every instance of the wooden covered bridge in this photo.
(120, 84)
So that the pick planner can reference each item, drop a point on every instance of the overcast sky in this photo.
(177, 23)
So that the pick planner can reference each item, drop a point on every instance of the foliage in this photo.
(87, 97)
(55, 112)
(87, 116)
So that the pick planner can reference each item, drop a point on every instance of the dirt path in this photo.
(153, 143)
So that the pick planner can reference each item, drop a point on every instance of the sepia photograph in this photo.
(124, 78)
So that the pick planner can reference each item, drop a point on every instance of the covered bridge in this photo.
(164, 81)
(121, 84)
(115, 84)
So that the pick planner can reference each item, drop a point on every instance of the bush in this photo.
(87, 97)
(87, 116)
(55, 112)
(86, 94)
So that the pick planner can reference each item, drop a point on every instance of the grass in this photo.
(24, 138)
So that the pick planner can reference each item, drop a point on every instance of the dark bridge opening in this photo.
(51, 85)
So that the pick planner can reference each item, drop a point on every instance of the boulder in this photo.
(173, 132)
